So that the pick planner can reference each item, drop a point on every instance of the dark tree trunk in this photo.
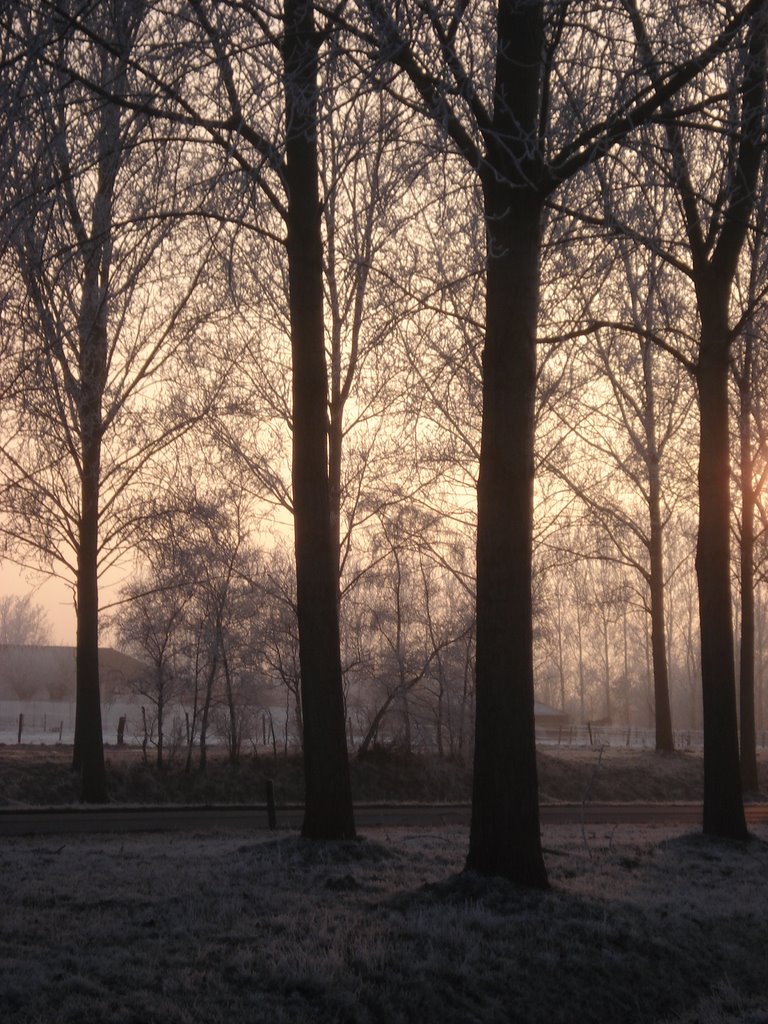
(373, 729)
(582, 679)
(89, 745)
(504, 835)
(504, 838)
(663, 715)
(206, 710)
(606, 666)
(335, 443)
(92, 366)
(664, 738)
(759, 669)
(160, 721)
(192, 723)
(95, 249)
(233, 734)
(328, 811)
(747, 736)
(723, 804)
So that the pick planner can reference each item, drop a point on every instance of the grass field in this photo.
(642, 924)
(41, 775)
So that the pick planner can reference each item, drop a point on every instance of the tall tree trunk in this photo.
(715, 251)
(606, 667)
(582, 679)
(160, 722)
(328, 811)
(747, 736)
(663, 714)
(560, 651)
(207, 701)
(625, 646)
(504, 834)
(89, 744)
(233, 740)
(335, 444)
(92, 367)
(664, 737)
(723, 804)
(759, 667)
(95, 248)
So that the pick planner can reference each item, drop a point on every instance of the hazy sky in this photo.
(54, 595)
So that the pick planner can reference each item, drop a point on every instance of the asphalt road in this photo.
(87, 820)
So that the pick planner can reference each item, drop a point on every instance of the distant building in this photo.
(548, 718)
(48, 673)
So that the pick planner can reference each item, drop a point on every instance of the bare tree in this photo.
(748, 375)
(630, 470)
(716, 210)
(91, 331)
(516, 131)
(149, 626)
(23, 621)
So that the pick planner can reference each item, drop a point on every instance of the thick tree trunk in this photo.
(747, 736)
(92, 366)
(335, 443)
(504, 835)
(89, 745)
(328, 811)
(723, 805)
(96, 253)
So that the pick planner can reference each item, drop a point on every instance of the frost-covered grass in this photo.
(641, 924)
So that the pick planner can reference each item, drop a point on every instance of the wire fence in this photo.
(50, 722)
(631, 736)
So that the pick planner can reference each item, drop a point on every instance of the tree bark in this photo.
(328, 812)
(663, 714)
(664, 737)
(723, 804)
(207, 700)
(747, 734)
(88, 755)
(504, 835)
(92, 367)
(96, 252)
(160, 722)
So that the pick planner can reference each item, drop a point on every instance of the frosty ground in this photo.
(641, 924)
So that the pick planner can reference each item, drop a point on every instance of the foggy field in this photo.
(641, 924)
